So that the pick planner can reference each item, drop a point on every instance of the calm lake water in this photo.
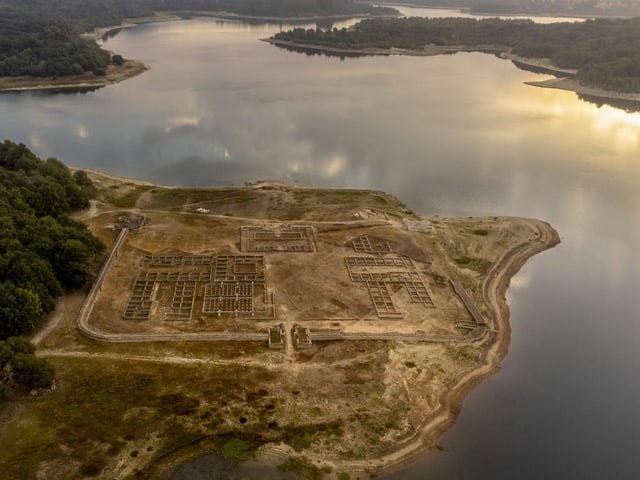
(450, 135)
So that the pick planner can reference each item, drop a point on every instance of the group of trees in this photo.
(42, 250)
(20, 369)
(606, 52)
(30, 47)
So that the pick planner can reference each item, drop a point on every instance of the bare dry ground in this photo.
(136, 410)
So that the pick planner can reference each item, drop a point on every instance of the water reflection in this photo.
(629, 106)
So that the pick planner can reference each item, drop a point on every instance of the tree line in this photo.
(42, 250)
(605, 52)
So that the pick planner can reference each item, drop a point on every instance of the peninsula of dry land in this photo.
(381, 320)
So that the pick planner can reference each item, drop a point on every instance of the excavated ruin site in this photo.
(283, 283)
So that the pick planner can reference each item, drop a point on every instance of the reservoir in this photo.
(456, 135)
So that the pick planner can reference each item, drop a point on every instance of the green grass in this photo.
(482, 232)
(238, 449)
(125, 199)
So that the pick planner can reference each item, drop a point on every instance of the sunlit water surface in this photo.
(450, 135)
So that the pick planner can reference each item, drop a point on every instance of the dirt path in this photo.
(66, 307)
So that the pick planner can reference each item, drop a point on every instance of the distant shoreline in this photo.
(566, 82)
(264, 18)
(133, 68)
(481, 13)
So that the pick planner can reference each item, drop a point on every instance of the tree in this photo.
(117, 60)
(72, 263)
(33, 372)
(20, 310)
(20, 367)
(5, 392)
(20, 345)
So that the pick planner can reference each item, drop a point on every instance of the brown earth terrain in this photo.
(135, 397)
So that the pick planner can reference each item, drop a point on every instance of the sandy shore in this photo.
(88, 81)
(425, 51)
(494, 290)
(572, 85)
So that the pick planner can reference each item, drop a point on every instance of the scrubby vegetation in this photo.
(42, 250)
(20, 369)
(605, 52)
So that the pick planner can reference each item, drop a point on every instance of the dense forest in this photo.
(606, 52)
(40, 38)
(30, 47)
(42, 250)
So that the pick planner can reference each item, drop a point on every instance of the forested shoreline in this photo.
(605, 52)
(574, 8)
(43, 252)
(40, 38)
